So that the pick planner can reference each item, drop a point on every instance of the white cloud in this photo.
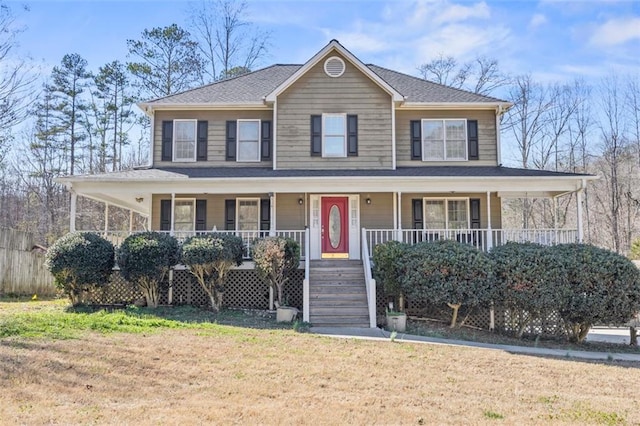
(458, 13)
(616, 31)
(537, 20)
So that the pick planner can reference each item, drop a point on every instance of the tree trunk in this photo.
(633, 336)
(454, 318)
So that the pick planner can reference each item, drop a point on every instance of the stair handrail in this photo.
(368, 279)
(305, 282)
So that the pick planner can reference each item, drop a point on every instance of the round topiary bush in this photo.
(447, 272)
(145, 260)
(527, 277)
(600, 286)
(209, 258)
(79, 262)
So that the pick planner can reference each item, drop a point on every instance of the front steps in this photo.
(337, 294)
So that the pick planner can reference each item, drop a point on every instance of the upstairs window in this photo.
(334, 136)
(184, 140)
(444, 140)
(248, 141)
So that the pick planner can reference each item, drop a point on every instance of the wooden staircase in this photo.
(337, 294)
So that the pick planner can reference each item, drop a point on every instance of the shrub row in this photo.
(81, 262)
(584, 284)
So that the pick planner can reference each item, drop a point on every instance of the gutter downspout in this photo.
(152, 118)
(583, 184)
(499, 112)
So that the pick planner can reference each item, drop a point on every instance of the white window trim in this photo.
(444, 132)
(344, 145)
(193, 217)
(446, 210)
(238, 200)
(238, 140)
(174, 157)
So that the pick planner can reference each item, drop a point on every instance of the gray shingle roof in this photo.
(252, 87)
(170, 173)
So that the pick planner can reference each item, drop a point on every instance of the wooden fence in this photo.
(22, 270)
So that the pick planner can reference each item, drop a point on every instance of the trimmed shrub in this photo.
(527, 277)
(145, 260)
(209, 258)
(601, 287)
(447, 272)
(386, 270)
(79, 262)
(275, 259)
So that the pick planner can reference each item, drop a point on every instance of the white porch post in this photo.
(272, 214)
(72, 214)
(395, 216)
(555, 220)
(399, 227)
(130, 221)
(106, 219)
(579, 201)
(173, 210)
(489, 230)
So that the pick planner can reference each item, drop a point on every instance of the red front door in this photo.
(335, 227)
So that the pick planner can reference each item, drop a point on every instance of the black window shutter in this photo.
(230, 215)
(472, 139)
(201, 215)
(165, 215)
(416, 140)
(316, 135)
(418, 221)
(266, 141)
(352, 135)
(167, 140)
(231, 141)
(265, 214)
(203, 129)
(474, 207)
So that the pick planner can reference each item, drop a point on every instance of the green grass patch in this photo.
(492, 415)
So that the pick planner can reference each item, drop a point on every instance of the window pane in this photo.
(457, 214)
(433, 140)
(248, 143)
(456, 139)
(183, 216)
(185, 140)
(334, 125)
(434, 214)
(334, 145)
(455, 130)
(248, 215)
(456, 150)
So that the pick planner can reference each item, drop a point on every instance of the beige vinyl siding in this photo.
(487, 145)
(496, 209)
(216, 138)
(378, 214)
(316, 93)
(289, 214)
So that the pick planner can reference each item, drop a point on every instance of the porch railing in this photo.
(248, 237)
(370, 283)
(482, 239)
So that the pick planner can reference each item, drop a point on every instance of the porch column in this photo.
(72, 214)
(555, 219)
(272, 214)
(173, 209)
(395, 216)
(130, 221)
(579, 201)
(106, 219)
(399, 227)
(489, 230)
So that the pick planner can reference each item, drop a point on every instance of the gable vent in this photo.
(334, 66)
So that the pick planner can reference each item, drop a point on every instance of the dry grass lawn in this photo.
(229, 375)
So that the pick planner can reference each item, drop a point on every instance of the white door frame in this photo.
(315, 218)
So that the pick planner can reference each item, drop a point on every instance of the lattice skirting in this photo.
(244, 290)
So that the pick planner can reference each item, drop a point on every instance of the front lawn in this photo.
(148, 369)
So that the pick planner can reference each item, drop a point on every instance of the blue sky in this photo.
(551, 39)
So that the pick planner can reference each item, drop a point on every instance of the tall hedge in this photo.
(145, 260)
(275, 260)
(447, 272)
(79, 262)
(527, 277)
(386, 270)
(601, 287)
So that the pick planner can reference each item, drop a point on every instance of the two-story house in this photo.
(336, 153)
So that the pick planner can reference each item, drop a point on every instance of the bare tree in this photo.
(225, 38)
(481, 75)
